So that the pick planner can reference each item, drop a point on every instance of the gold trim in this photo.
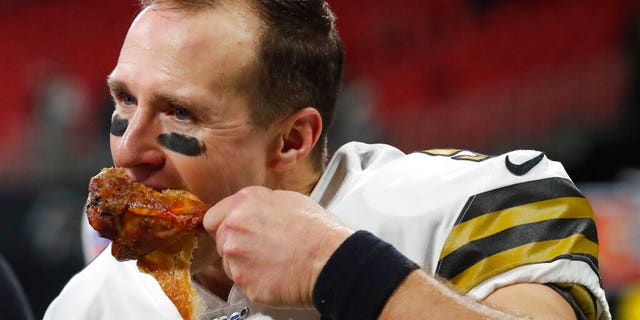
(536, 252)
(492, 223)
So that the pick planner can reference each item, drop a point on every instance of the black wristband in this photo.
(360, 277)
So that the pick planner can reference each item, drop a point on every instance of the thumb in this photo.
(216, 215)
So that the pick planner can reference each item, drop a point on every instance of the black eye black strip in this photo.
(189, 146)
(119, 126)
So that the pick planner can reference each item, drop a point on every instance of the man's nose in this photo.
(138, 146)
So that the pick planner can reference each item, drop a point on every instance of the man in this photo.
(231, 99)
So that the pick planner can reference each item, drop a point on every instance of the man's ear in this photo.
(297, 136)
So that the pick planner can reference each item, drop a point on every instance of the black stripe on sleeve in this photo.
(517, 194)
(473, 252)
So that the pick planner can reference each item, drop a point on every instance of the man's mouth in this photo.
(149, 182)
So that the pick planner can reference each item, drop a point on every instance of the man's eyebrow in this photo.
(116, 86)
(180, 102)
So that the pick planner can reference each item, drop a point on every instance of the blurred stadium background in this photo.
(487, 75)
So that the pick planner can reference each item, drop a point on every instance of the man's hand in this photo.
(274, 243)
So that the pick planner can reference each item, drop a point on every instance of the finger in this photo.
(221, 210)
(216, 215)
(221, 239)
(227, 268)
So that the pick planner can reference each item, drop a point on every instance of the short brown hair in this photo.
(299, 62)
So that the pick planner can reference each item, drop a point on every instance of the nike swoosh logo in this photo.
(523, 168)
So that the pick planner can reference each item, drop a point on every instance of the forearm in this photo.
(422, 296)
(367, 277)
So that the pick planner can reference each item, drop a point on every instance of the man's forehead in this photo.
(241, 12)
(185, 43)
(225, 26)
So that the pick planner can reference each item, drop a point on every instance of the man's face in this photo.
(180, 119)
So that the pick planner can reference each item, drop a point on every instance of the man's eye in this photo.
(128, 100)
(182, 114)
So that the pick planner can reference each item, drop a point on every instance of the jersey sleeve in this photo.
(534, 231)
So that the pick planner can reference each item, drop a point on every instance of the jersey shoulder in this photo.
(525, 218)
(97, 293)
(529, 164)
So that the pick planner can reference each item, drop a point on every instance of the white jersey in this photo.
(481, 222)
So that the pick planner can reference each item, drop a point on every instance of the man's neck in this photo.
(301, 179)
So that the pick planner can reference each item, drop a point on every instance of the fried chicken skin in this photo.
(138, 219)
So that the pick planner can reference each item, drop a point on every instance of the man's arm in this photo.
(259, 230)
(421, 294)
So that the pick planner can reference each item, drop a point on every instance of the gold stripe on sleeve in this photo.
(494, 222)
(535, 252)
